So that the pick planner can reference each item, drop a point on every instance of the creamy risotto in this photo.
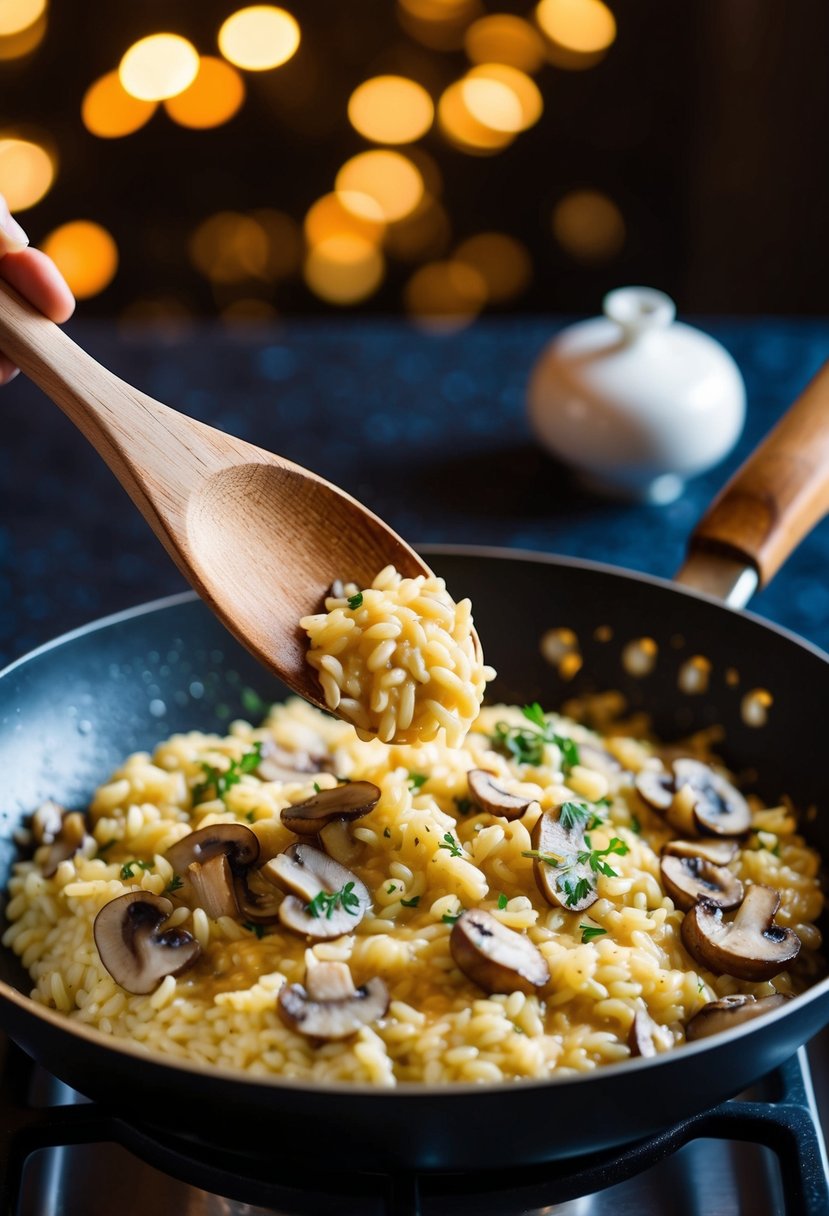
(292, 900)
(399, 659)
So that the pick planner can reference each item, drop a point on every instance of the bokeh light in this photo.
(424, 233)
(346, 213)
(463, 130)
(213, 98)
(438, 24)
(19, 15)
(504, 38)
(389, 178)
(85, 254)
(493, 104)
(499, 76)
(15, 46)
(158, 67)
(391, 110)
(26, 171)
(259, 38)
(503, 263)
(580, 32)
(344, 269)
(589, 226)
(230, 248)
(109, 112)
(444, 296)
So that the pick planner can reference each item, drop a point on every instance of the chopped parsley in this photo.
(316, 787)
(449, 918)
(464, 805)
(222, 782)
(175, 884)
(700, 987)
(251, 816)
(449, 842)
(127, 867)
(259, 930)
(411, 903)
(326, 902)
(391, 888)
(588, 932)
(526, 745)
(417, 780)
(502, 901)
(355, 601)
(635, 825)
(575, 888)
(594, 857)
(577, 815)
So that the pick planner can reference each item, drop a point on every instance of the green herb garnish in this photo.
(575, 815)
(449, 918)
(588, 932)
(502, 901)
(464, 805)
(449, 842)
(259, 930)
(411, 903)
(251, 816)
(316, 787)
(390, 889)
(355, 601)
(325, 903)
(635, 825)
(574, 888)
(175, 884)
(417, 780)
(127, 867)
(526, 746)
(593, 857)
(222, 782)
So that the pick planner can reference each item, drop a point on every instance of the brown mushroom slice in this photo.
(688, 879)
(71, 836)
(552, 840)
(491, 797)
(310, 1011)
(213, 886)
(258, 900)
(719, 808)
(349, 801)
(496, 958)
(640, 1036)
(309, 875)
(655, 788)
(599, 760)
(718, 852)
(338, 842)
(731, 1011)
(209, 862)
(751, 946)
(136, 951)
(281, 764)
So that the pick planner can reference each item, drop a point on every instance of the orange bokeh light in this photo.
(109, 112)
(213, 98)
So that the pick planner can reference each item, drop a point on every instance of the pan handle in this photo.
(768, 506)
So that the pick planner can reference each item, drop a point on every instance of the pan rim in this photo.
(408, 1089)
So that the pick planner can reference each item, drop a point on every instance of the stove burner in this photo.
(784, 1121)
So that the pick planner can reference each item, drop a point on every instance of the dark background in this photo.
(705, 124)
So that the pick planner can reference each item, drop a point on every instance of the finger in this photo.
(8, 371)
(12, 236)
(38, 279)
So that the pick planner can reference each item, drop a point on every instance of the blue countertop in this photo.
(428, 432)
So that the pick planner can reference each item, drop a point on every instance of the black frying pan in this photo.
(71, 711)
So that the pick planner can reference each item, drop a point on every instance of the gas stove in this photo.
(760, 1154)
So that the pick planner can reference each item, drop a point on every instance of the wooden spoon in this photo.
(261, 539)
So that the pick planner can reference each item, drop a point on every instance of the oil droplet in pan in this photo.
(639, 656)
(755, 707)
(694, 675)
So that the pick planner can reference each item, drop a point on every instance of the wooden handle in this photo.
(779, 494)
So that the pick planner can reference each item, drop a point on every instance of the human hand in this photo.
(33, 275)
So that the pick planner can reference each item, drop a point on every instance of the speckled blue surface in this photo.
(429, 432)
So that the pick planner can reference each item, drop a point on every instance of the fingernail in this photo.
(12, 236)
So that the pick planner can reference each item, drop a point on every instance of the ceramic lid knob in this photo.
(635, 400)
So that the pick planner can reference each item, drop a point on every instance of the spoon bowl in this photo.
(260, 538)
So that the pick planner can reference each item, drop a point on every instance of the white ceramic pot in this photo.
(635, 400)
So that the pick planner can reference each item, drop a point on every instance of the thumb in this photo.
(12, 236)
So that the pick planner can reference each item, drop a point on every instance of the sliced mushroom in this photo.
(258, 900)
(307, 873)
(640, 1036)
(134, 948)
(329, 1006)
(695, 799)
(718, 852)
(491, 797)
(599, 759)
(731, 1011)
(349, 801)
(211, 863)
(338, 842)
(70, 836)
(281, 764)
(688, 879)
(719, 808)
(751, 947)
(552, 840)
(496, 958)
